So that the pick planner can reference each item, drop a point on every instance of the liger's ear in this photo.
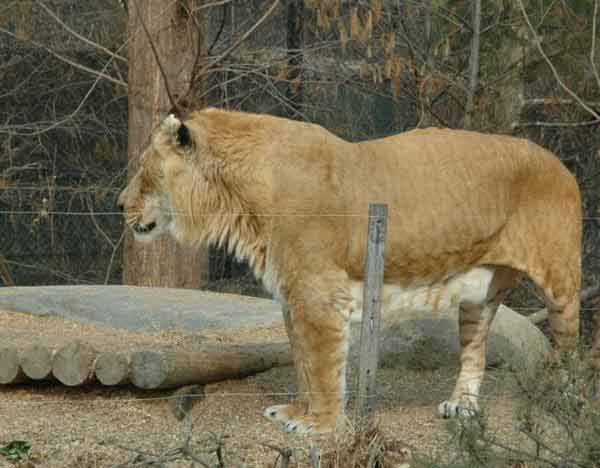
(183, 136)
(170, 124)
(178, 130)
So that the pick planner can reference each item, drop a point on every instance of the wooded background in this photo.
(80, 89)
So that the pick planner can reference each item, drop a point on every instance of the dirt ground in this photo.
(96, 426)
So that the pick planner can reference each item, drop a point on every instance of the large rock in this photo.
(416, 340)
(141, 308)
(428, 341)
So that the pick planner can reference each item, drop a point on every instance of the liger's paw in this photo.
(295, 420)
(454, 409)
(283, 413)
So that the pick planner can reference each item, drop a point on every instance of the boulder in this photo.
(430, 341)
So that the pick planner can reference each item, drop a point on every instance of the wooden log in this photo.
(73, 364)
(10, 370)
(169, 369)
(112, 368)
(36, 362)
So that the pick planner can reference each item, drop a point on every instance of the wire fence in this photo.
(73, 235)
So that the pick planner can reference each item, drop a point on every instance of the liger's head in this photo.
(149, 201)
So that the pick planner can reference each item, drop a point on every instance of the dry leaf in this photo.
(390, 44)
(376, 11)
(336, 9)
(322, 20)
(378, 74)
(398, 66)
(343, 33)
(283, 73)
(368, 29)
(387, 69)
(446, 48)
(395, 85)
(364, 70)
(295, 85)
(354, 24)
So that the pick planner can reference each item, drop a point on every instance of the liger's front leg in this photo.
(283, 413)
(320, 340)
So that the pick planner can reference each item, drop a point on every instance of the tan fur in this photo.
(291, 198)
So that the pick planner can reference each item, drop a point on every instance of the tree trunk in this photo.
(162, 263)
(473, 65)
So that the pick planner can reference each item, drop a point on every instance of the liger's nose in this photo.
(120, 206)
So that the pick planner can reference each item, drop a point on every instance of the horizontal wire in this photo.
(175, 397)
(120, 213)
(383, 395)
(100, 400)
(61, 188)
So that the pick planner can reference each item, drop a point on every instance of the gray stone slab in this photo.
(409, 338)
(140, 308)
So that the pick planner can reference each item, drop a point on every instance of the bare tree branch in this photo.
(538, 44)
(79, 36)
(585, 123)
(5, 273)
(174, 103)
(211, 5)
(552, 101)
(99, 74)
(77, 109)
(233, 47)
(219, 32)
(13, 170)
(200, 40)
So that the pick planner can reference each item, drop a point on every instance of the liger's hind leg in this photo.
(475, 320)
(564, 324)
(474, 325)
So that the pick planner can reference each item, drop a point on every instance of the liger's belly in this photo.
(471, 286)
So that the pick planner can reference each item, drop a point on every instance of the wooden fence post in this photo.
(314, 456)
(371, 316)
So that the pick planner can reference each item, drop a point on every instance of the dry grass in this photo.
(367, 447)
